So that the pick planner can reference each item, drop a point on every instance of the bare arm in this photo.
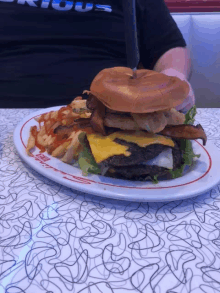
(177, 62)
(176, 58)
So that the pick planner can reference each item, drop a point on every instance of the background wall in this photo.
(202, 34)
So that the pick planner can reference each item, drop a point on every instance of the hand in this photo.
(190, 100)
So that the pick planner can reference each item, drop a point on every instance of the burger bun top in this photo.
(150, 91)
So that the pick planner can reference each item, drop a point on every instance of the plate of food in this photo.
(125, 141)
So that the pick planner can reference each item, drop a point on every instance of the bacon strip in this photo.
(98, 114)
(185, 131)
(181, 131)
(83, 122)
(91, 102)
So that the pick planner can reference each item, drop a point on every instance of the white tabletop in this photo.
(54, 239)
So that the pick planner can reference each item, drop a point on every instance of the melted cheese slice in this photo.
(103, 147)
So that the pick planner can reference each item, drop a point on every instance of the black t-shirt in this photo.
(50, 50)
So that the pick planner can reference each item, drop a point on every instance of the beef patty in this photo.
(138, 154)
(132, 167)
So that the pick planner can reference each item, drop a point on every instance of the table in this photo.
(54, 239)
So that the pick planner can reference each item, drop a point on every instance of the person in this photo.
(52, 49)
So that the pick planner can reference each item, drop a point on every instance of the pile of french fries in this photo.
(57, 132)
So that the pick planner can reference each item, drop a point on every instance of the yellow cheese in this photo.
(142, 138)
(103, 147)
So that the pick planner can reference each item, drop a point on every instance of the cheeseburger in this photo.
(138, 133)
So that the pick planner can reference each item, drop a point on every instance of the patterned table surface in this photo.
(54, 239)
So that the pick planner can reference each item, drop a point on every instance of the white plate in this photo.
(201, 178)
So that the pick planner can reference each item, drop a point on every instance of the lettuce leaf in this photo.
(189, 117)
(154, 179)
(186, 147)
(188, 158)
(86, 160)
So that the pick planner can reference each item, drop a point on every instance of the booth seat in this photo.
(202, 34)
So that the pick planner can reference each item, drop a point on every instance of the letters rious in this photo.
(63, 5)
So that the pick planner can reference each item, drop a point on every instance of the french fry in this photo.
(47, 137)
(30, 144)
(60, 150)
(42, 131)
(41, 140)
(49, 140)
(47, 116)
(55, 125)
(69, 117)
(85, 115)
(80, 107)
(50, 149)
(78, 98)
(73, 115)
(44, 136)
(48, 124)
(77, 151)
(75, 104)
(71, 153)
(54, 114)
(72, 147)
(51, 125)
(67, 158)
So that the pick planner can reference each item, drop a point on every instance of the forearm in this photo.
(177, 59)
(176, 62)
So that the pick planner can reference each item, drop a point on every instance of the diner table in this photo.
(56, 239)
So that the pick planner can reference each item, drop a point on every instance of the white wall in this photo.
(202, 34)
